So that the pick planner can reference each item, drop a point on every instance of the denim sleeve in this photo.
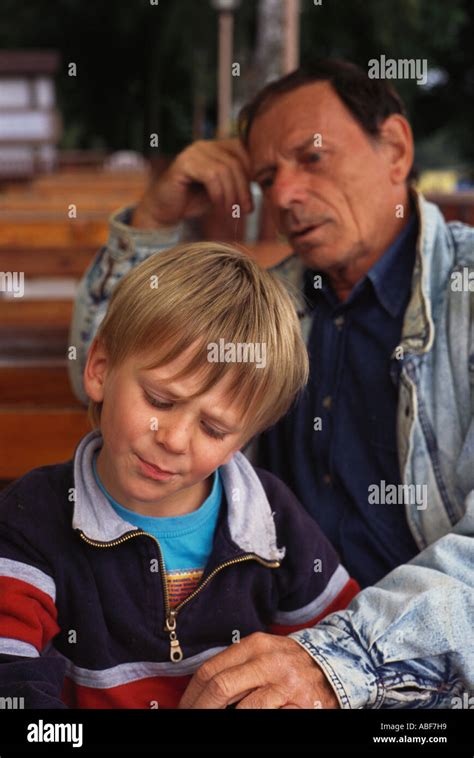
(126, 247)
(406, 642)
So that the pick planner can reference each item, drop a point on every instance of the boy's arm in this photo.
(28, 623)
(127, 246)
(311, 581)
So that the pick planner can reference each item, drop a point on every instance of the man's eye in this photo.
(157, 403)
(266, 183)
(313, 157)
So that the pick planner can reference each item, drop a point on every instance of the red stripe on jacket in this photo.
(27, 614)
(149, 693)
(341, 601)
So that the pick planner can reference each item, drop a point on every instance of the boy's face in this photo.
(148, 422)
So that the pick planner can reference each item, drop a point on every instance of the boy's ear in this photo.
(95, 371)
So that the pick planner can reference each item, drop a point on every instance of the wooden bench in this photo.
(37, 202)
(51, 230)
(41, 421)
(32, 437)
(38, 237)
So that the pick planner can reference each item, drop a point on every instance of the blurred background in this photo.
(95, 96)
(145, 68)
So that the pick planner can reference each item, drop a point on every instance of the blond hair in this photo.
(202, 293)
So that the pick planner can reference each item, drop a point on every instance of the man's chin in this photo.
(314, 255)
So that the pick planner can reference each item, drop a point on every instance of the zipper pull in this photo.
(176, 654)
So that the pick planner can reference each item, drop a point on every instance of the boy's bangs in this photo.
(245, 383)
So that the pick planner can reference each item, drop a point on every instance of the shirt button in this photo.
(339, 322)
(327, 402)
(327, 479)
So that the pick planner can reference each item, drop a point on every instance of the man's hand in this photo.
(207, 173)
(261, 671)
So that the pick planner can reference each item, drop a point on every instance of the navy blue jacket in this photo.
(85, 620)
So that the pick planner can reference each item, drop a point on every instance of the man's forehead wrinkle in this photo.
(324, 114)
(280, 133)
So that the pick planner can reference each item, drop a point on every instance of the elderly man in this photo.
(380, 449)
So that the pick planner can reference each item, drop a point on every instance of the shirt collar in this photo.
(391, 274)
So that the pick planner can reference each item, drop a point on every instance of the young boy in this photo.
(158, 545)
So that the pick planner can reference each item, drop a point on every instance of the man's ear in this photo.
(397, 139)
(95, 371)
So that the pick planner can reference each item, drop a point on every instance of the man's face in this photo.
(330, 187)
(146, 419)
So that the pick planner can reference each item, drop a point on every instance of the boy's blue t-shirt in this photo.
(185, 541)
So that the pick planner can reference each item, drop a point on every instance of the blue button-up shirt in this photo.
(340, 437)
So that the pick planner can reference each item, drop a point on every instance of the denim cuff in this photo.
(345, 663)
(127, 242)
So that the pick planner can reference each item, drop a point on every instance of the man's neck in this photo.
(344, 278)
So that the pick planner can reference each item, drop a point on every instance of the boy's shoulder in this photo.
(272, 484)
(43, 496)
(284, 504)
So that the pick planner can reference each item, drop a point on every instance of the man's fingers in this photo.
(231, 188)
(232, 177)
(235, 147)
(261, 671)
(243, 195)
(234, 657)
(216, 180)
(210, 178)
(226, 687)
(270, 697)
(221, 167)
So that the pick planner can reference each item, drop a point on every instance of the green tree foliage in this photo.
(139, 64)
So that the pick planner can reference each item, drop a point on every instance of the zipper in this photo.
(176, 653)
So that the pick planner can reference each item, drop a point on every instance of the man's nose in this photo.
(288, 188)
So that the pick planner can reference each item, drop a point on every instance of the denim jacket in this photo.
(408, 641)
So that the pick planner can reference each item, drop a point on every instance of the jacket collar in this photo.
(249, 515)
(391, 274)
(432, 263)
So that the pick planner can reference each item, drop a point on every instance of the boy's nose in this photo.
(174, 437)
